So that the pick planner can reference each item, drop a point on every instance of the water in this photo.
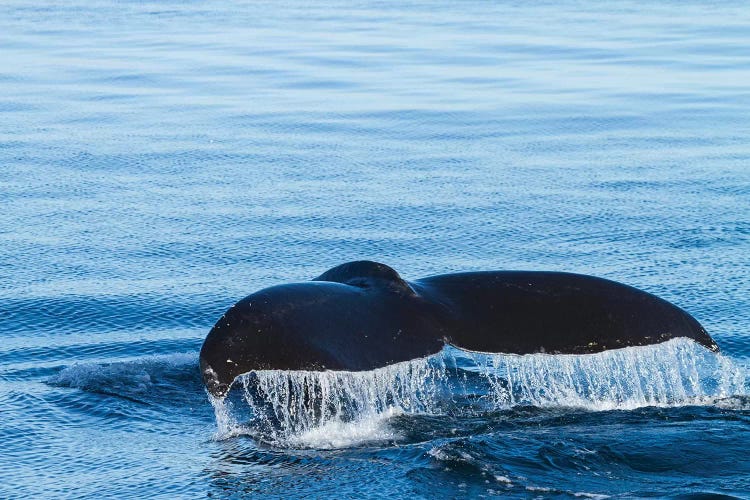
(160, 160)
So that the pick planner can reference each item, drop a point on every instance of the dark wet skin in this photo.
(363, 315)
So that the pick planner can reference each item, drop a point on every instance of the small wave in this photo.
(91, 313)
(545, 491)
(128, 378)
(338, 409)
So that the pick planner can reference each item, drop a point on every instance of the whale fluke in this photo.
(362, 315)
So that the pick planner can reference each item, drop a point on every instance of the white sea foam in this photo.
(339, 434)
(336, 409)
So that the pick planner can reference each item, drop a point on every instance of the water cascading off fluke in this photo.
(280, 406)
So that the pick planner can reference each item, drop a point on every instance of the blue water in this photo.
(160, 160)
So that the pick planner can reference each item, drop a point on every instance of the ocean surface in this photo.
(160, 160)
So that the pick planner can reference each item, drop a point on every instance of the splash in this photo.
(227, 424)
(336, 433)
(334, 409)
(678, 372)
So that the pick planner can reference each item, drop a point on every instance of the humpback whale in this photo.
(362, 315)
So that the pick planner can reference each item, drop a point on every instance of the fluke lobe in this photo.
(363, 315)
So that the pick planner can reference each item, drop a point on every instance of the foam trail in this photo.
(335, 408)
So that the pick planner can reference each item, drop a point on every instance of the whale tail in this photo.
(363, 315)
